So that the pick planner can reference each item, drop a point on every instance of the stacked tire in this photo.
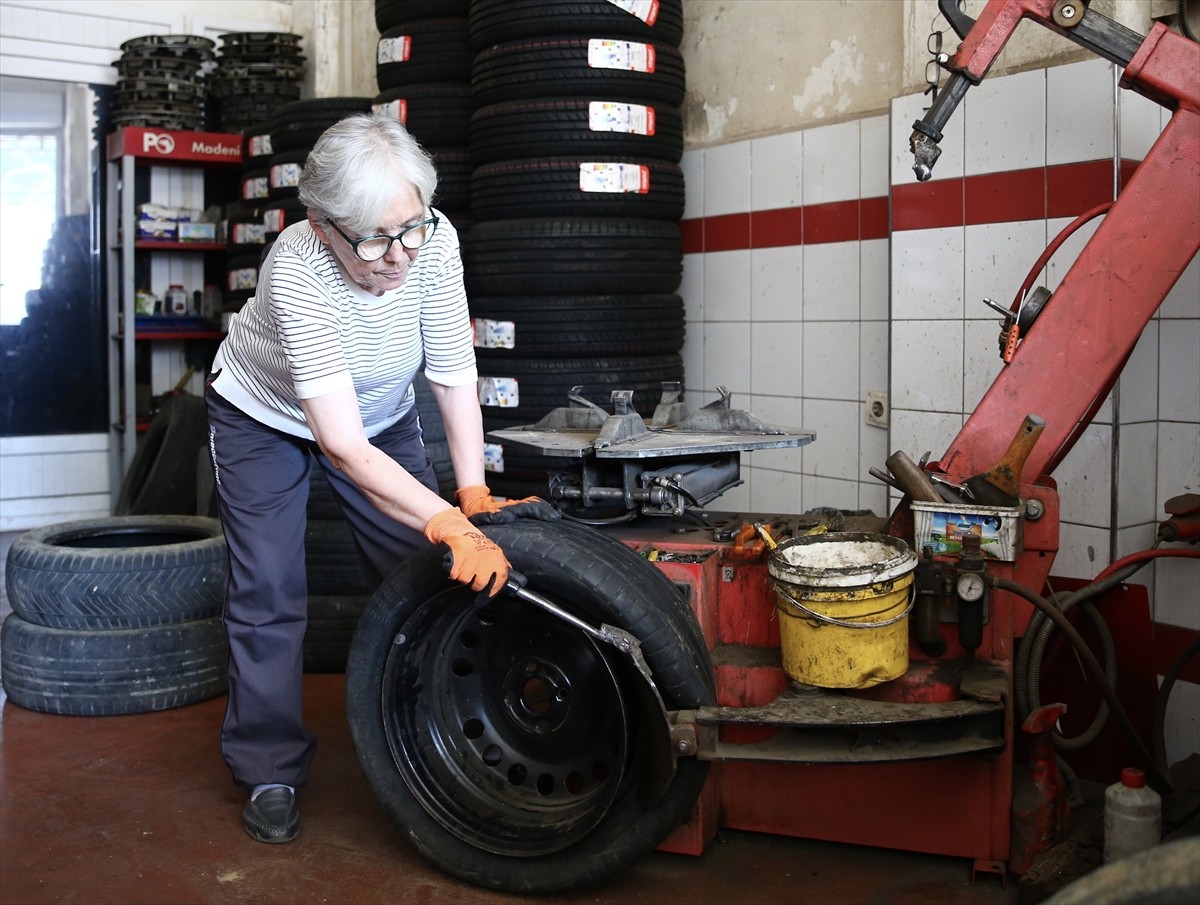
(423, 70)
(575, 255)
(117, 615)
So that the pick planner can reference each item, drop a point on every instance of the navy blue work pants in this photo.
(262, 479)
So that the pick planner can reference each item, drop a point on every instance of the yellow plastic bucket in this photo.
(843, 601)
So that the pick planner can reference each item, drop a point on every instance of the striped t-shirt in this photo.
(308, 332)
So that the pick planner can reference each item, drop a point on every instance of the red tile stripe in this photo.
(1033, 194)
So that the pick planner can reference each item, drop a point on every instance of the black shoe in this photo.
(272, 816)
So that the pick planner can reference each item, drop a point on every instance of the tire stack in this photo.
(423, 69)
(575, 255)
(246, 239)
(255, 73)
(117, 615)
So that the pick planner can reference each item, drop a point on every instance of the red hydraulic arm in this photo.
(1071, 356)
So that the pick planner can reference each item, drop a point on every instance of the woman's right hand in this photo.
(475, 559)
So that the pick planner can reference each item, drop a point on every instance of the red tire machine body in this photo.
(925, 762)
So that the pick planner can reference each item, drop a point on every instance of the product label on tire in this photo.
(499, 392)
(397, 109)
(243, 278)
(249, 234)
(394, 50)
(605, 53)
(607, 116)
(286, 175)
(646, 10)
(273, 221)
(614, 178)
(493, 457)
(494, 334)
(260, 145)
(257, 187)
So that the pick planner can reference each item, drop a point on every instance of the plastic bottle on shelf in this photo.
(1132, 816)
(177, 299)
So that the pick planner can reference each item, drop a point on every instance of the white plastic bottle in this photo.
(1132, 816)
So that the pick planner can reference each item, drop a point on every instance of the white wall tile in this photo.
(927, 273)
(831, 286)
(1139, 379)
(1079, 111)
(873, 496)
(727, 285)
(874, 134)
(779, 411)
(1140, 124)
(873, 280)
(1177, 602)
(1178, 461)
(692, 165)
(693, 361)
(927, 365)
(777, 163)
(834, 454)
(727, 179)
(1085, 479)
(831, 163)
(817, 491)
(727, 357)
(691, 287)
(776, 353)
(998, 257)
(1068, 252)
(1184, 297)
(776, 283)
(872, 449)
(917, 433)
(1137, 477)
(1005, 123)
(873, 358)
(1082, 551)
(1179, 377)
(906, 110)
(775, 491)
(737, 499)
(830, 363)
(981, 360)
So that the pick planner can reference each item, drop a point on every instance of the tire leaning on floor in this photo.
(463, 770)
(162, 476)
(121, 572)
(137, 670)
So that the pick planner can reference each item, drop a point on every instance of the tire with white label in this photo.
(424, 50)
(573, 256)
(569, 66)
(577, 326)
(298, 125)
(390, 13)
(594, 127)
(435, 114)
(577, 187)
(494, 21)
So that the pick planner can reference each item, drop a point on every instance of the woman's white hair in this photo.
(357, 167)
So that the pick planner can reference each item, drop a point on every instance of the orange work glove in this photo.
(475, 559)
(482, 508)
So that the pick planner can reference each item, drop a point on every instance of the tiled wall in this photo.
(801, 316)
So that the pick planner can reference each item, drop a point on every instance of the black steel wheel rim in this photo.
(507, 724)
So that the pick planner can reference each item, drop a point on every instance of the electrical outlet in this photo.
(878, 410)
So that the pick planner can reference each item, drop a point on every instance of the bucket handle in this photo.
(821, 617)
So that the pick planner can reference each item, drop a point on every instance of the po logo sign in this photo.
(154, 141)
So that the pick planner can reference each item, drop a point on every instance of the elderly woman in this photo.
(319, 364)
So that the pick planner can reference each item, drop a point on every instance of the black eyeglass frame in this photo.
(432, 224)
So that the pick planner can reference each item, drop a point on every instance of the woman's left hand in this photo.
(478, 504)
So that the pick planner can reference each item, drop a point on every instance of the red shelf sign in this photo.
(178, 147)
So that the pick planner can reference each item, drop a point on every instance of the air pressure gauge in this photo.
(969, 586)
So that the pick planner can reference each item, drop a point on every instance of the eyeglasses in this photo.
(934, 66)
(372, 248)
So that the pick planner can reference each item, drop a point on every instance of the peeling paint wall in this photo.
(759, 67)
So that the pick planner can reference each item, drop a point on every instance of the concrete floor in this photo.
(140, 809)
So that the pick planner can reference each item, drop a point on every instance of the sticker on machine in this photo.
(499, 392)
(394, 50)
(611, 116)
(493, 457)
(606, 53)
(614, 178)
(494, 334)
(646, 10)
(397, 109)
